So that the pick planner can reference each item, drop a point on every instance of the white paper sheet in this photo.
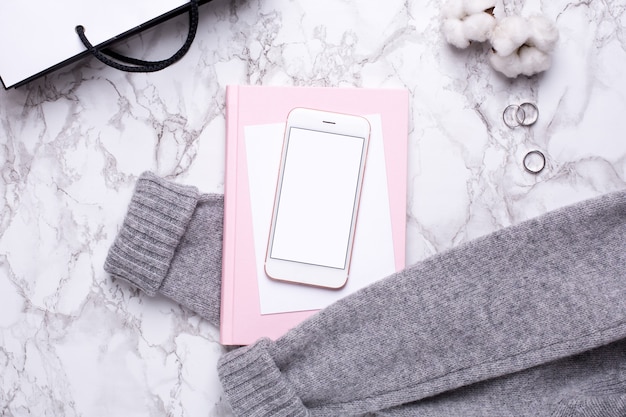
(373, 256)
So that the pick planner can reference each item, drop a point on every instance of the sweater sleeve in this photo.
(524, 296)
(171, 243)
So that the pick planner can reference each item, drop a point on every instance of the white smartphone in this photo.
(317, 198)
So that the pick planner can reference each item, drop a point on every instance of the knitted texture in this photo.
(608, 406)
(528, 321)
(525, 296)
(256, 385)
(195, 277)
(577, 385)
(171, 242)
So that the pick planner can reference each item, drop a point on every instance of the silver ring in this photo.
(534, 162)
(530, 114)
(525, 114)
(511, 117)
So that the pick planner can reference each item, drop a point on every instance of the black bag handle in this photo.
(109, 57)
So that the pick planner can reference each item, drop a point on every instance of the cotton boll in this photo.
(508, 65)
(477, 6)
(523, 46)
(460, 31)
(527, 61)
(465, 21)
(509, 34)
(533, 61)
(454, 33)
(543, 33)
(478, 27)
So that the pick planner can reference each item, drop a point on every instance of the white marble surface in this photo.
(73, 342)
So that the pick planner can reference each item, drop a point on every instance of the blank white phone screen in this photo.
(317, 198)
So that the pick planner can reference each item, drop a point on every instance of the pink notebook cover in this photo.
(241, 320)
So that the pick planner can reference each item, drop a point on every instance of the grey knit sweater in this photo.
(528, 321)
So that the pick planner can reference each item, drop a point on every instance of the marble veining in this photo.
(75, 342)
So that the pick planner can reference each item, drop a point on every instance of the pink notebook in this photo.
(242, 321)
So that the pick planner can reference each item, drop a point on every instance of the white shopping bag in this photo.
(39, 36)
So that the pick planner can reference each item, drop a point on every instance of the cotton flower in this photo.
(509, 35)
(465, 21)
(523, 45)
(544, 34)
(527, 61)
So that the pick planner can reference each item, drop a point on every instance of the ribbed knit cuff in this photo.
(157, 218)
(255, 386)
